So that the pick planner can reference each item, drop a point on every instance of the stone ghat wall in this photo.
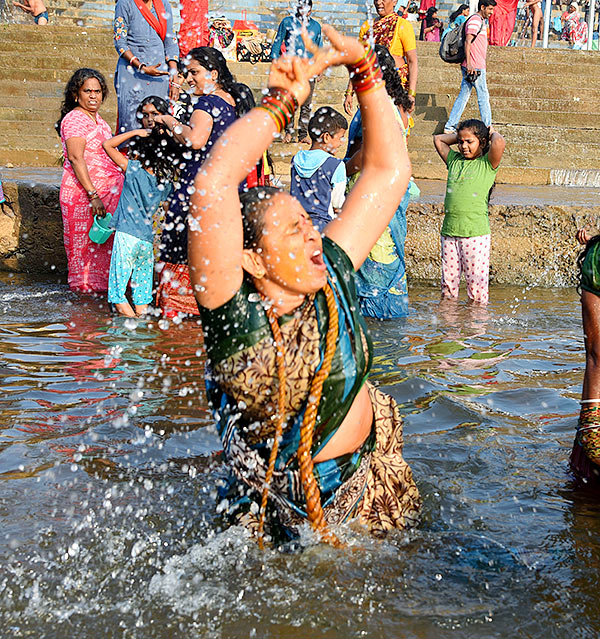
(531, 244)
(32, 238)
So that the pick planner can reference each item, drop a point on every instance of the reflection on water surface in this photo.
(108, 461)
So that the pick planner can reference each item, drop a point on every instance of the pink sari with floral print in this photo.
(88, 262)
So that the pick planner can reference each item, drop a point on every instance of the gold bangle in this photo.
(412, 93)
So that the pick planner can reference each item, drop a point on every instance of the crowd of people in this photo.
(281, 280)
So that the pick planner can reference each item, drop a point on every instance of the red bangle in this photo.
(365, 73)
(280, 104)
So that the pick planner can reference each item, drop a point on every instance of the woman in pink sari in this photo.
(91, 182)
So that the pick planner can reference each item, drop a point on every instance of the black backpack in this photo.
(452, 46)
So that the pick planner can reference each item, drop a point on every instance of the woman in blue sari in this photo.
(148, 54)
(381, 280)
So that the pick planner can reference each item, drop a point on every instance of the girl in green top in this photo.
(466, 228)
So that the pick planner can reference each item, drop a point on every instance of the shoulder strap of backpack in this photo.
(465, 27)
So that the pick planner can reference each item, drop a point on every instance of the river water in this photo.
(108, 522)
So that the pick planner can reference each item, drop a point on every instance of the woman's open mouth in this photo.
(317, 259)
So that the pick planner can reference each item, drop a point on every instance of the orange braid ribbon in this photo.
(314, 509)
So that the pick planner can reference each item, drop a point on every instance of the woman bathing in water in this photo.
(585, 458)
(288, 350)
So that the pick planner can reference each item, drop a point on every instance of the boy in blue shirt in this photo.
(319, 178)
(289, 40)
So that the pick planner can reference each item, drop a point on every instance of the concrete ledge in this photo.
(533, 233)
(533, 229)
(32, 240)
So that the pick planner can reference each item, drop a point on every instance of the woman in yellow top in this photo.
(397, 35)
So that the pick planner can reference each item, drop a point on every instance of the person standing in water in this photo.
(381, 280)
(149, 172)
(91, 183)
(219, 101)
(585, 456)
(466, 229)
(306, 439)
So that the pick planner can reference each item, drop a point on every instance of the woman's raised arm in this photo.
(215, 238)
(384, 177)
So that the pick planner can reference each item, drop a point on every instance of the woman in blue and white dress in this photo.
(148, 54)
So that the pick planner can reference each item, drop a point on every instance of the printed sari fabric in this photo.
(175, 294)
(88, 262)
(575, 30)
(194, 25)
(384, 29)
(240, 383)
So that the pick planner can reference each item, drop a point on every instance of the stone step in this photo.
(520, 57)
(10, 157)
(434, 171)
(71, 60)
(540, 155)
(68, 36)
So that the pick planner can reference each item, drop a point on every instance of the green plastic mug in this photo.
(100, 231)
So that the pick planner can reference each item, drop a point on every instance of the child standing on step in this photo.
(319, 178)
(149, 174)
(466, 228)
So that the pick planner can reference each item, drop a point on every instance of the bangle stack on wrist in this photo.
(92, 194)
(365, 74)
(280, 104)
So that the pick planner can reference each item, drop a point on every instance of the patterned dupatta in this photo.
(384, 29)
(383, 33)
(158, 24)
(247, 454)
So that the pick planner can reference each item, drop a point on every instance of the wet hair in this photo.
(159, 104)
(480, 131)
(393, 83)
(158, 151)
(254, 204)
(326, 120)
(486, 3)
(213, 60)
(456, 13)
(77, 80)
